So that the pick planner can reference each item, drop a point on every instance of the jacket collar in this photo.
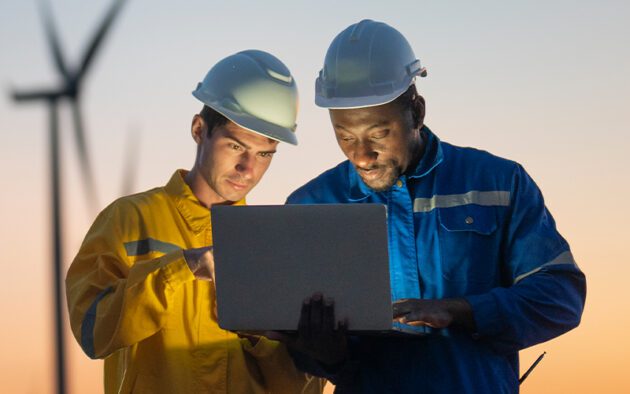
(194, 213)
(433, 154)
(431, 158)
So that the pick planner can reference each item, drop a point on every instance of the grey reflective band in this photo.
(563, 258)
(490, 198)
(87, 326)
(148, 245)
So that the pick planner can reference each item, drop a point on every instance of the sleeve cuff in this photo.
(488, 320)
(175, 269)
(264, 347)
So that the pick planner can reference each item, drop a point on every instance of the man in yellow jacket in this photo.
(140, 291)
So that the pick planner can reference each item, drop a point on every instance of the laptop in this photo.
(269, 258)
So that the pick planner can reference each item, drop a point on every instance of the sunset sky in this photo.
(545, 83)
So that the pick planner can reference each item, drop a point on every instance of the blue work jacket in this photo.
(464, 223)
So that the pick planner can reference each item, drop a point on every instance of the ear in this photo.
(198, 128)
(419, 105)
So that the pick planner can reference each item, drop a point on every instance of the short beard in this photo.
(386, 183)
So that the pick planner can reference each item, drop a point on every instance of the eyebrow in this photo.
(373, 126)
(231, 137)
(245, 145)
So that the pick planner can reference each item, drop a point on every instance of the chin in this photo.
(383, 183)
(380, 185)
(230, 195)
(237, 197)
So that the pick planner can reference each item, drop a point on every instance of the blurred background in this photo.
(543, 83)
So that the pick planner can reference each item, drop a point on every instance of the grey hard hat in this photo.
(255, 90)
(369, 63)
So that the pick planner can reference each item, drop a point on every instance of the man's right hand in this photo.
(201, 262)
(317, 336)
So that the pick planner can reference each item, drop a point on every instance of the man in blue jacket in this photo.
(474, 253)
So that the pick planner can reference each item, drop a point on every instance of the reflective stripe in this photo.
(563, 258)
(491, 198)
(144, 246)
(87, 327)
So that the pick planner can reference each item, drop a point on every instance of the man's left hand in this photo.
(434, 313)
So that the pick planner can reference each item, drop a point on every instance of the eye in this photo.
(266, 155)
(235, 147)
(380, 134)
(346, 138)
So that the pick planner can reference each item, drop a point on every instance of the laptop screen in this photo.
(268, 259)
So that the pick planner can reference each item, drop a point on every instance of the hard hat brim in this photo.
(253, 124)
(355, 102)
(340, 102)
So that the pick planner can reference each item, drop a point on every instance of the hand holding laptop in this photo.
(317, 336)
(434, 313)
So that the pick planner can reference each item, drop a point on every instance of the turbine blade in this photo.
(30, 95)
(84, 158)
(53, 38)
(98, 38)
(130, 169)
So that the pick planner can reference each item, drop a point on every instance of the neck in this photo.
(417, 151)
(200, 188)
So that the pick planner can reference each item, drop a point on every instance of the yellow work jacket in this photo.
(134, 302)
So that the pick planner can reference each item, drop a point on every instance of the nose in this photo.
(245, 165)
(364, 155)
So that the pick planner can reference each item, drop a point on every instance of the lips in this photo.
(370, 174)
(237, 185)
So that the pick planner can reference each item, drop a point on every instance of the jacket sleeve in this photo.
(279, 370)
(113, 301)
(544, 290)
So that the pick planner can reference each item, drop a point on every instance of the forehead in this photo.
(243, 135)
(366, 116)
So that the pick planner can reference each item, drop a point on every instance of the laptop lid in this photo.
(268, 259)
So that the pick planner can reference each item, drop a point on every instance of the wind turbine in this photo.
(70, 89)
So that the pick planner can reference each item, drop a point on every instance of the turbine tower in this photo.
(70, 89)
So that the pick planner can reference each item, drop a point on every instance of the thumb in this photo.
(287, 339)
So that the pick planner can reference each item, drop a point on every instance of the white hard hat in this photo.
(255, 90)
(369, 63)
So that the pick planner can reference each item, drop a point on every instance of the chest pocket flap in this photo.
(471, 217)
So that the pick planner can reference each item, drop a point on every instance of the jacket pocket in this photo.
(469, 244)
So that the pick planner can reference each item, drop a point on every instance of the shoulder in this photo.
(478, 168)
(476, 158)
(132, 208)
(328, 187)
(465, 169)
